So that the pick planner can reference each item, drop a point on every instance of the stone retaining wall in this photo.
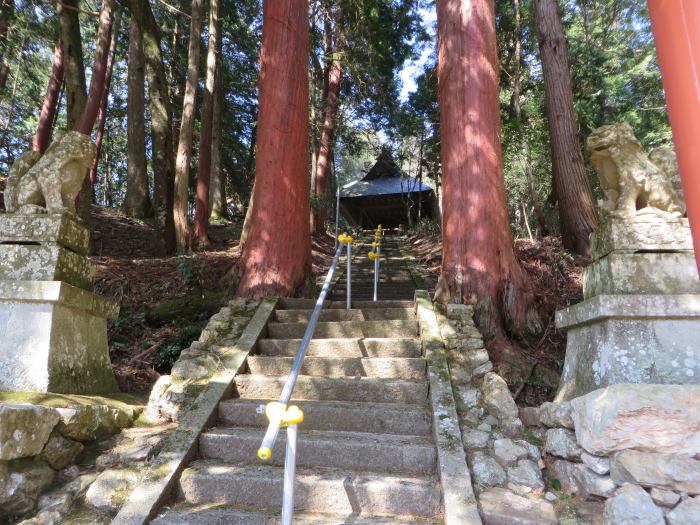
(40, 444)
(504, 459)
(634, 447)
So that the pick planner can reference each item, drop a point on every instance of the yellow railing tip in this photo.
(264, 453)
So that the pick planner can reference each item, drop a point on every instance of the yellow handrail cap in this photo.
(264, 453)
(293, 416)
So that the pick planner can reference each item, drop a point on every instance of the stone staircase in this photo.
(365, 452)
(395, 281)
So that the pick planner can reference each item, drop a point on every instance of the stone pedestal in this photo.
(54, 328)
(640, 318)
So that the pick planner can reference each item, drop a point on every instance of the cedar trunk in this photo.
(7, 12)
(276, 256)
(577, 213)
(217, 188)
(99, 70)
(326, 143)
(478, 260)
(162, 154)
(102, 114)
(48, 108)
(201, 216)
(184, 147)
(73, 64)
(136, 201)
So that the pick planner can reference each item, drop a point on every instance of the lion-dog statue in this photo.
(630, 180)
(50, 182)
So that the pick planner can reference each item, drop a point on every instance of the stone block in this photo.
(662, 471)
(60, 452)
(641, 273)
(631, 504)
(61, 229)
(47, 262)
(501, 507)
(497, 397)
(52, 341)
(686, 513)
(21, 482)
(641, 233)
(615, 339)
(561, 442)
(653, 418)
(24, 430)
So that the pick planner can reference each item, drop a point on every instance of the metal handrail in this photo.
(374, 255)
(278, 413)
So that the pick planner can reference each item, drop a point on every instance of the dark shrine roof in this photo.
(385, 178)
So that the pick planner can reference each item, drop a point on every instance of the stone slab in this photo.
(630, 339)
(642, 273)
(180, 447)
(63, 229)
(458, 494)
(48, 347)
(57, 292)
(641, 233)
(24, 262)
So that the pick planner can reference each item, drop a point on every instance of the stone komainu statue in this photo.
(50, 182)
(631, 180)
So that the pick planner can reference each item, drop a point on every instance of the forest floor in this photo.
(165, 301)
(557, 277)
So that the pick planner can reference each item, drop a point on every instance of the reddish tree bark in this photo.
(99, 70)
(478, 260)
(184, 147)
(48, 108)
(102, 114)
(276, 257)
(327, 130)
(577, 213)
(201, 216)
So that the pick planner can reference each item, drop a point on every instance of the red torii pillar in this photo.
(676, 27)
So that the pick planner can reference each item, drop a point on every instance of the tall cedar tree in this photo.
(99, 69)
(217, 187)
(332, 101)
(7, 13)
(162, 142)
(478, 260)
(577, 213)
(50, 104)
(137, 202)
(201, 217)
(522, 121)
(73, 64)
(102, 113)
(183, 235)
(276, 256)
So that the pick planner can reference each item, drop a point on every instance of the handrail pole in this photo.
(337, 215)
(274, 425)
(289, 468)
(376, 272)
(348, 301)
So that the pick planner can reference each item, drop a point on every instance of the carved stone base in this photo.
(614, 339)
(54, 339)
(642, 273)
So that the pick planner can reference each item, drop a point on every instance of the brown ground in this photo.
(556, 278)
(144, 342)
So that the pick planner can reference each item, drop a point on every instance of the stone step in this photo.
(345, 329)
(292, 303)
(387, 367)
(335, 389)
(354, 347)
(338, 314)
(316, 490)
(336, 415)
(323, 448)
(184, 514)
